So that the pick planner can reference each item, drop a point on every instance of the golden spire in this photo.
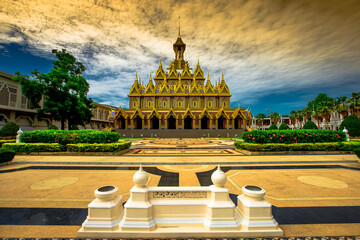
(136, 79)
(179, 36)
(222, 76)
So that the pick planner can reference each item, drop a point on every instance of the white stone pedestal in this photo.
(105, 211)
(255, 212)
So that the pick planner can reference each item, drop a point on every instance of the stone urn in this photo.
(106, 193)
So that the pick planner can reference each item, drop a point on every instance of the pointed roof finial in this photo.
(179, 28)
(222, 75)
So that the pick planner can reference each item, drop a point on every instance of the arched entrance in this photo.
(221, 122)
(121, 122)
(205, 122)
(237, 122)
(154, 122)
(138, 122)
(188, 122)
(171, 122)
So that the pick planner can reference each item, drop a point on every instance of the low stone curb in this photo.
(76, 153)
(245, 152)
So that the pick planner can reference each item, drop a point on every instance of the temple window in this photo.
(224, 104)
(134, 104)
(209, 104)
(149, 104)
(179, 104)
(194, 104)
(164, 104)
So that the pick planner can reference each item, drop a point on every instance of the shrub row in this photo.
(34, 147)
(279, 147)
(357, 152)
(96, 147)
(293, 136)
(6, 155)
(69, 137)
(6, 141)
(56, 147)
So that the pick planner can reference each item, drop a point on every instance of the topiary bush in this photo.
(69, 136)
(357, 152)
(310, 125)
(9, 129)
(284, 126)
(6, 155)
(273, 127)
(53, 127)
(352, 124)
(293, 136)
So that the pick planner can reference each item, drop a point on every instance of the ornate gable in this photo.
(221, 112)
(188, 113)
(205, 113)
(137, 113)
(154, 112)
(171, 113)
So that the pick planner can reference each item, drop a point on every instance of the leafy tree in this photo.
(299, 117)
(284, 126)
(274, 117)
(9, 129)
(260, 119)
(53, 127)
(64, 90)
(307, 113)
(273, 127)
(322, 106)
(352, 124)
(310, 125)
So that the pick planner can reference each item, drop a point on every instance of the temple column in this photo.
(193, 123)
(166, 124)
(227, 123)
(216, 123)
(142, 123)
(149, 124)
(126, 123)
(132, 123)
(233, 123)
(244, 123)
(176, 123)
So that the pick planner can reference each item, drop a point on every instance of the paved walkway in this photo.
(313, 195)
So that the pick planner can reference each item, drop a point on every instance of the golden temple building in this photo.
(180, 98)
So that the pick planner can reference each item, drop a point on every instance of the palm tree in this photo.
(274, 117)
(354, 103)
(260, 119)
(299, 117)
(307, 113)
(293, 116)
(341, 107)
(325, 112)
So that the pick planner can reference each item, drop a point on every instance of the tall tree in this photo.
(341, 106)
(354, 103)
(260, 119)
(293, 117)
(63, 90)
(274, 117)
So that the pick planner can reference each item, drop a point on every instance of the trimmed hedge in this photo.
(293, 136)
(34, 147)
(53, 127)
(6, 141)
(352, 124)
(310, 125)
(279, 147)
(284, 126)
(69, 136)
(357, 152)
(96, 147)
(9, 129)
(273, 127)
(6, 155)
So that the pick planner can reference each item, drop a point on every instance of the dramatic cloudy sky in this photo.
(276, 55)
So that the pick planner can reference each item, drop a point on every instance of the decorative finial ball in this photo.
(140, 178)
(20, 131)
(345, 130)
(218, 177)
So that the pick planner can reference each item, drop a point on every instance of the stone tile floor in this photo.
(312, 195)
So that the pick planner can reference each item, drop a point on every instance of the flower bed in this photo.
(98, 147)
(293, 136)
(279, 147)
(69, 136)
